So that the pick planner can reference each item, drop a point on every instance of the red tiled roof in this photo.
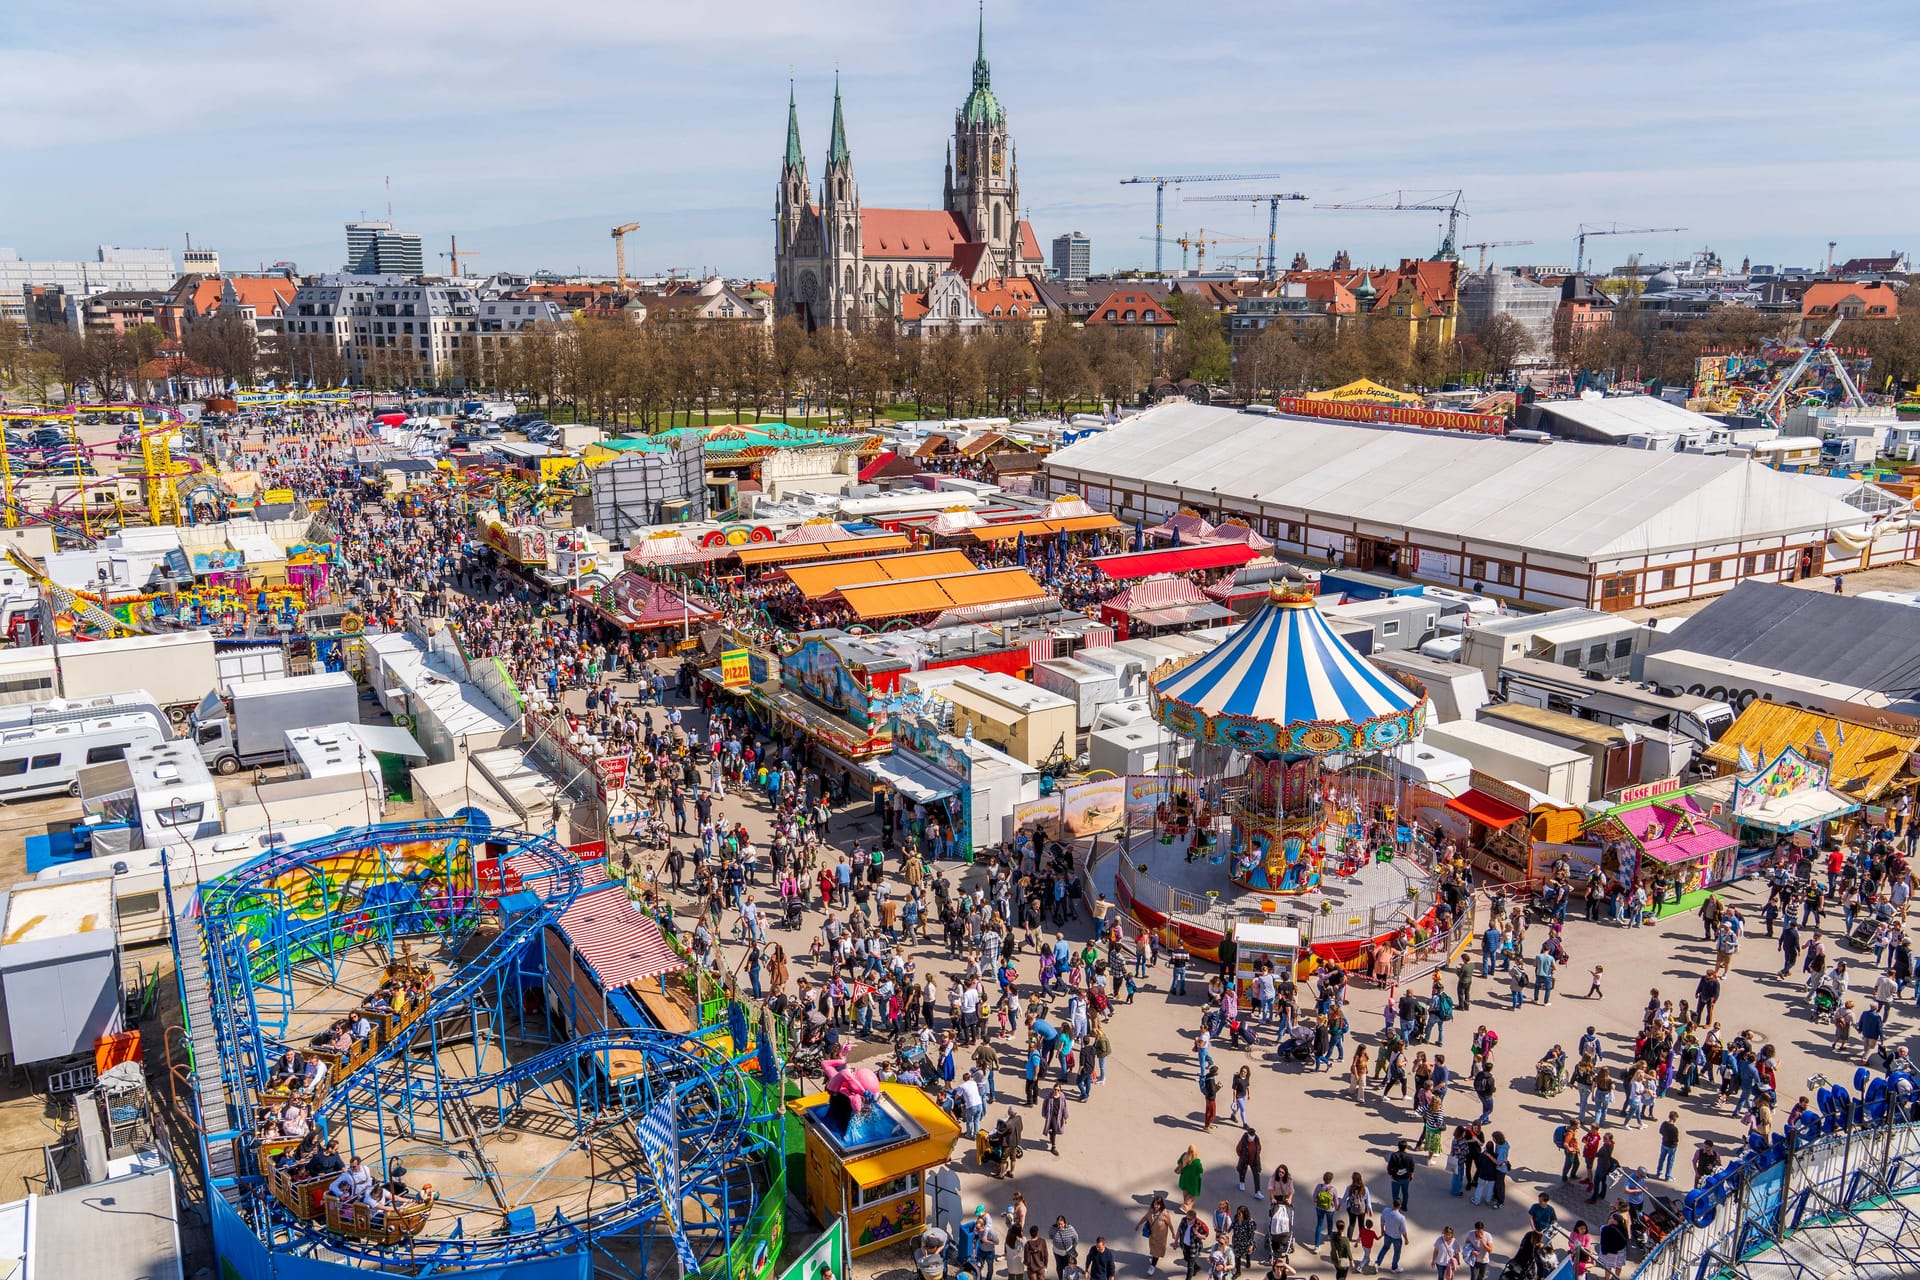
(265, 294)
(1000, 299)
(913, 306)
(1029, 243)
(1124, 307)
(1827, 298)
(910, 233)
(966, 258)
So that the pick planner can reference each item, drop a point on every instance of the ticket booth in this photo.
(869, 1167)
(1275, 943)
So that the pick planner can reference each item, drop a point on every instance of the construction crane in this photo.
(620, 252)
(454, 256)
(1580, 255)
(1273, 219)
(1431, 204)
(1819, 350)
(1160, 185)
(1199, 241)
(1484, 245)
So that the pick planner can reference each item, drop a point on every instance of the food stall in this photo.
(868, 1155)
(1253, 943)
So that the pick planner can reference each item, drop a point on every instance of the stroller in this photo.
(1297, 1044)
(1826, 999)
(790, 919)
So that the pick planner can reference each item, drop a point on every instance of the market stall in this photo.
(870, 1146)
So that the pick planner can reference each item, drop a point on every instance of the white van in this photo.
(46, 759)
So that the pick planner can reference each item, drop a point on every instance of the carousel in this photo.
(1287, 795)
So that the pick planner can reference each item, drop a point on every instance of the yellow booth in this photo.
(869, 1167)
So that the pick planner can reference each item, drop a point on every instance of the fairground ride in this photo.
(76, 486)
(550, 1147)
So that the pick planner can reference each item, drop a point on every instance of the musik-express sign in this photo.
(1486, 424)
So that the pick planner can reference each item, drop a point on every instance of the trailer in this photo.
(1562, 775)
(177, 669)
(249, 726)
(1088, 687)
(1740, 684)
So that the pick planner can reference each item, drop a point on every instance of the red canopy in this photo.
(1485, 809)
(1203, 555)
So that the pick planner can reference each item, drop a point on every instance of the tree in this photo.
(226, 343)
(1503, 340)
(951, 370)
(1199, 348)
(1892, 345)
(1063, 372)
(1006, 364)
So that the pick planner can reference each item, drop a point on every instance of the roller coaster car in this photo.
(363, 1221)
(304, 1199)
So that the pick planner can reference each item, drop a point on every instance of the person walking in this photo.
(1033, 1255)
(1446, 1255)
(1242, 1087)
(1053, 1118)
(1188, 1172)
(1157, 1227)
(1325, 1198)
(1064, 1242)
(1393, 1235)
(1210, 1095)
(1247, 1158)
(1477, 1251)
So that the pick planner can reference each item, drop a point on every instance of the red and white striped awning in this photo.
(622, 944)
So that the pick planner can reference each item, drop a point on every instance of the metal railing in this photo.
(1826, 1182)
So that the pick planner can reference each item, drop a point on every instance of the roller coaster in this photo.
(547, 1146)
(84, 495)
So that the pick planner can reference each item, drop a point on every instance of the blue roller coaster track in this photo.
(303, 912)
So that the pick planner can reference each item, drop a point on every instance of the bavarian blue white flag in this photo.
(659, 1134)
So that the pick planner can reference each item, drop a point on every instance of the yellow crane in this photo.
(1484, 245)
(620, 251)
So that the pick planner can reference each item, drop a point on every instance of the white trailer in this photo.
(1563, 775)
(1088, 687)
(177, 669)
(46, 759)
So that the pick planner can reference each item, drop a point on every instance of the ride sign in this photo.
(1486, 424)
(613, 773)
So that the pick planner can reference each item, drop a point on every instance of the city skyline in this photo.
(530, 143)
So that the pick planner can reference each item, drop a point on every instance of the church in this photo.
(837, 264)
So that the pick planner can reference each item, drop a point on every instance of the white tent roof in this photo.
(1590, 502)
(1621, 416)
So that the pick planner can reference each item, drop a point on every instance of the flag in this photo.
(659, 1133)
(1139, 532)
(1020, 548)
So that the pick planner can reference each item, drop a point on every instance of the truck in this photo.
(1618, 702)
(249, 726)
(177, 669)
(1740, 684)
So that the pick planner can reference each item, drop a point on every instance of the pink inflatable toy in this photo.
(857, 1085)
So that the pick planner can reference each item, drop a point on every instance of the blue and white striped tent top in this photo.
(1284, 682)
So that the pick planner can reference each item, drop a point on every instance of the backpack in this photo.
(1446, 1007)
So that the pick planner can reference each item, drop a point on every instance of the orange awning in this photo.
(874, 601)
(1045, 528)
(817, 581)
(837, 549)
(1485, 809)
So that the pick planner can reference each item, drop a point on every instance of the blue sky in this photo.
(1765, 129)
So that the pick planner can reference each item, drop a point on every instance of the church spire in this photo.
(837, 147)
(982, 77)
(796, 158)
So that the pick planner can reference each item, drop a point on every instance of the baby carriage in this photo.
(1826, 999)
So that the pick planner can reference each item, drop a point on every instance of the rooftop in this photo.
(1575, 500)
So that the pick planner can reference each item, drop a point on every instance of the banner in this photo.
(1044, 813)
(1092, 807)
(825, 1258)
(736, 668)
(1486, 424)
(1145, 791)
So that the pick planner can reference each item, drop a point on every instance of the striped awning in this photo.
(622, 944)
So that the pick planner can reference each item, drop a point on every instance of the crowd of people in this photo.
(970, 982)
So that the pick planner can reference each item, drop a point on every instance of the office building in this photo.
(111, 268)
(200, 262)
(375, 248)
(1072, 258)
